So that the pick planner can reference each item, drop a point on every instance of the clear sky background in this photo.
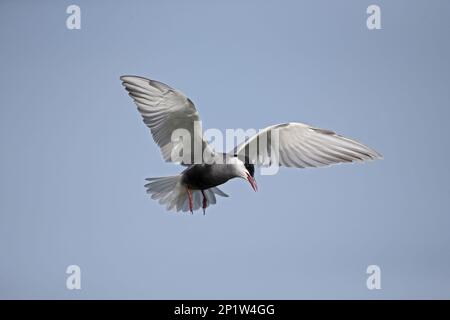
(75, 153)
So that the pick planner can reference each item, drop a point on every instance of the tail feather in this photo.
(170, 192)
(210, 197)
(219, 192)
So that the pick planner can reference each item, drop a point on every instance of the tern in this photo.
(165, 109)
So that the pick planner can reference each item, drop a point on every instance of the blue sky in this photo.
(75, 152)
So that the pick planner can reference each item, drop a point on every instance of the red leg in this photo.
(204, 202)
(191, 205)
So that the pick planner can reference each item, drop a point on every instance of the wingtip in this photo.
(373, 157)
(124, 77)
(376, 155)
(130, 77)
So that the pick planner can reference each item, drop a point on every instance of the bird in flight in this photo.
(165, 110)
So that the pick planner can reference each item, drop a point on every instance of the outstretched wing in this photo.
(299, 145)
(165, 110)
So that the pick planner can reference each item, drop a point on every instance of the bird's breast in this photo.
(204, 176)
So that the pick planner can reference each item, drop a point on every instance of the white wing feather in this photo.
(164, 110)
(301, 146)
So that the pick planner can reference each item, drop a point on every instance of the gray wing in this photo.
(300, 145)
(165, 110)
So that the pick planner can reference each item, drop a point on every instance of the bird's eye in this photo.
(235, 155)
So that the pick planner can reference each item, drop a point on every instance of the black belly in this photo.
(204, 176)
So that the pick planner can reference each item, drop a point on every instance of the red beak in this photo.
(252, 182)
